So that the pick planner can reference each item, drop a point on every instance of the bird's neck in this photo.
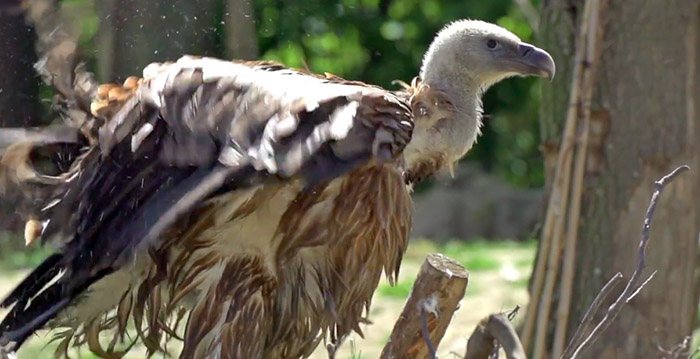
(447, 110)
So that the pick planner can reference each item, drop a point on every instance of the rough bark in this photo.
(558, 29)
(645, 121)
(440, 286)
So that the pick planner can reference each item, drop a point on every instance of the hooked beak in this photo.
(534, 61)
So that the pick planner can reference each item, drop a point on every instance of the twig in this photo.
(681, 350)
(513, 313)
(426, 334)
(633, 285)
(587, 321)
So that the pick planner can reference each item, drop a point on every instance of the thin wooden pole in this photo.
(593, 42)
(551, 236)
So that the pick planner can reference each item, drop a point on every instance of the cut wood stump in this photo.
(435, 296)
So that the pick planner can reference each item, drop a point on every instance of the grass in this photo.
(477, 256)
(401, 290)
(11, 258)
(24, 259)
(354, 352)
(498, 277)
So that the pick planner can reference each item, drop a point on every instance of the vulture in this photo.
(245, 208)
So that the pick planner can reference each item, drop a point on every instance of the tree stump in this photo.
(439, 287)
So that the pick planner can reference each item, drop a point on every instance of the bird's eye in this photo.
(492, 43)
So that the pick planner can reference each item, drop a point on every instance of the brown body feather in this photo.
(266, 269)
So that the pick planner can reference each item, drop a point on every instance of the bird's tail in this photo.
(32, 303)
(37, 300)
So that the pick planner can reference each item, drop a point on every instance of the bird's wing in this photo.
(192, 129)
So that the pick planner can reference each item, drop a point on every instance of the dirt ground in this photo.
(497, 283)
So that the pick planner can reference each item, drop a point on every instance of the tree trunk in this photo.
(19, 85)
(19, 88)
(134, 33)
(241, 37)
(645, 121)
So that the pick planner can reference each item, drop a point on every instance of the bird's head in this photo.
(463, 61)
(482, 54)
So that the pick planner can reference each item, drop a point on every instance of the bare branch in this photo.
(587, 321)
(644, 284)
(680, 350)
(633, 285)
(491, 331)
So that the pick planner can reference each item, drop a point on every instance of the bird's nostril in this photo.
(526, 50)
